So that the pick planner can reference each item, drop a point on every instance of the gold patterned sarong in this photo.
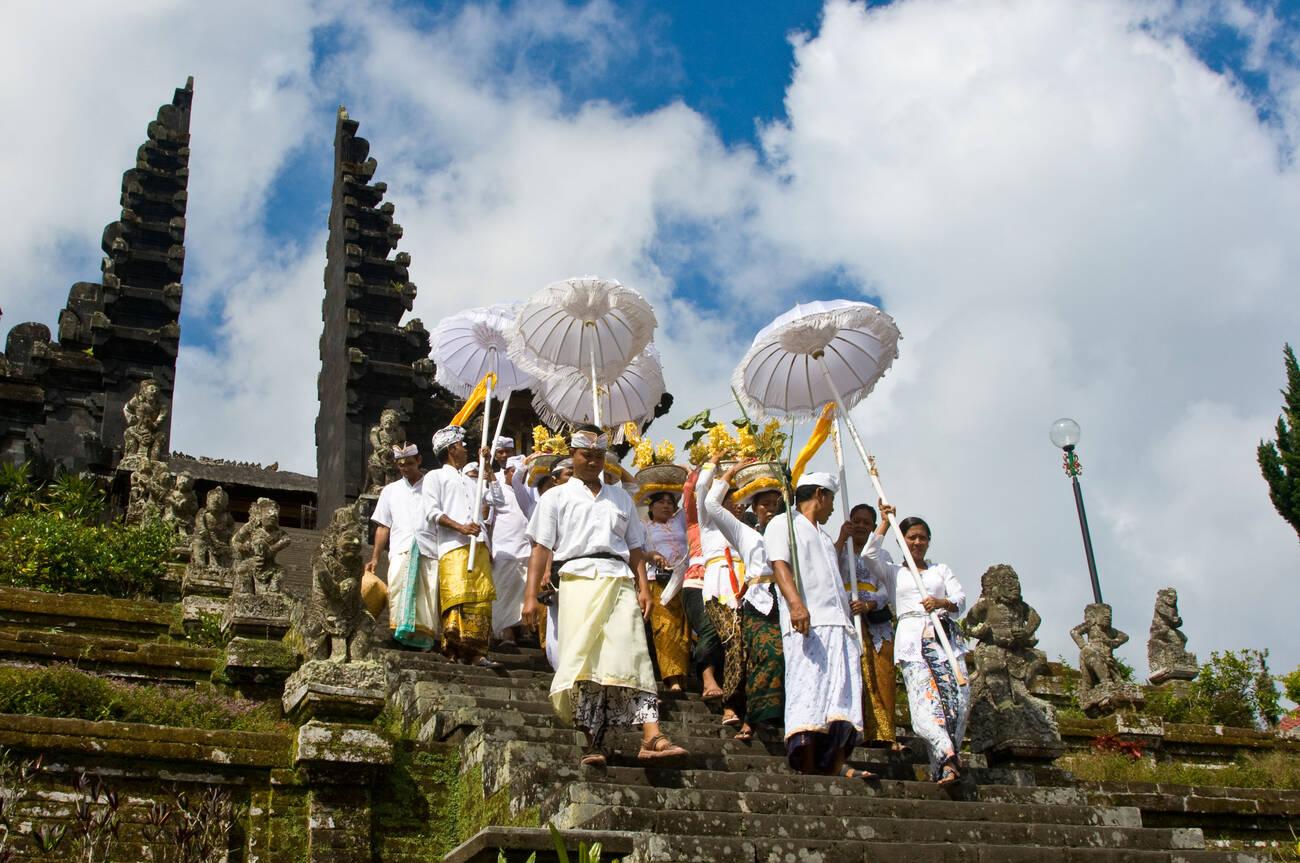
(465, 599)
(671, 633)
(878, 687)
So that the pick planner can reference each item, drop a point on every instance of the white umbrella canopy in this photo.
(565, 396)
(469, 344)
(580, 323)
(818, 352)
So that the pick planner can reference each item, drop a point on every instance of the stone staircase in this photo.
(734, 801)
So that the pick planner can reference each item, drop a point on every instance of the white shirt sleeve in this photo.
(433, 497)
(739, 535)
(953, 589)
(635, 535)
(777, 539)
(544, 526)
(383, 513)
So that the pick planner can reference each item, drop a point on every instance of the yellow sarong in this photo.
(465, 599)
(878, 687)
(671, 633)
(601, 639)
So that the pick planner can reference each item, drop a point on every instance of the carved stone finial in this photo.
(182, 506)
(1102, 687)
(146, 418)
(1005, 719)
(1167, 654)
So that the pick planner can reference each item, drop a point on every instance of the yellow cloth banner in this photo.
(821, 431)
(475, 399)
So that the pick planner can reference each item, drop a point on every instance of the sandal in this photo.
(950, 776)
(659, 746)
(484, 662)
(745, 735)
(714, 694)
(861, 775)
(593, 758)
(731, 721)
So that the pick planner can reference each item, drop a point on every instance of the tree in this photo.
(1279, 460)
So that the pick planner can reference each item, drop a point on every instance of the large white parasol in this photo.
(468, 347)
(822, 352)
(587, 323)
(819, 352)
(565, 397)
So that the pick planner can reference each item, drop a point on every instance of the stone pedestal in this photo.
(204, 592)
(322, 689)
(1106, 698)
(258, 662)
(264, 616)
(1012, 733)
(1172, 665)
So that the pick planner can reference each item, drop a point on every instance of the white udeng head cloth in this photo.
(408, 451)
(588, 440)
(503, 442)
(444, 438)
(821, 480)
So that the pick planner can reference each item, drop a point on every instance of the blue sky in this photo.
(1068, 212)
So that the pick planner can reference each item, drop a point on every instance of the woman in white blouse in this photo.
(938, 704)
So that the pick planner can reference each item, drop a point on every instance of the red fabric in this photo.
(731, 571)
(694, 571)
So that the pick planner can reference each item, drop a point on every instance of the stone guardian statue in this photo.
(1167, 655)
(1102, 688)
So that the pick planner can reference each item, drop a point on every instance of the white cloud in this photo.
(1066, 211)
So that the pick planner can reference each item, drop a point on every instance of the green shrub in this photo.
(1291, 685)
(1269, 770)
(52, 552)
(64, 691)
(1234, 688)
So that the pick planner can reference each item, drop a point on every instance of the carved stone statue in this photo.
(145, 413)
(336, 625)
(255, 545)
(381, 467)
(213, 529)
(151, 486)
(1102, 688)
(1005, 718)
(1167, 655)
(182, 504)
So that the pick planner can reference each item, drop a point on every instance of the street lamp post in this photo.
(1065, 434)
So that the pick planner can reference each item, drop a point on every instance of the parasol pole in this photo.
(847, 555)
(870, 464)
(595, 394)
(476, 505)
(787, 492)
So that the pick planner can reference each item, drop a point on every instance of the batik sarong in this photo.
(465, 598)
(764, 664)
(670, 633)
(413, 617)
(939, 706)
(726, 623)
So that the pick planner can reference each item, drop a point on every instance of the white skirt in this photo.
(508, 576)
(823, 679)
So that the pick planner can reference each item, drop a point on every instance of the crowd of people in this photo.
(731, 579)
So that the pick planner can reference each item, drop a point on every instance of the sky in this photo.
(1070, 209)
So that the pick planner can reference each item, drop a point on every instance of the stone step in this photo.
(707, 849)
(857, 828)
(844, 804)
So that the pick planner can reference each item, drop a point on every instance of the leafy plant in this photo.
(64, 691)
(17, 491)
(187, 828)
(1291, 685)
(1234, 688)
(46, 551)
(586, 853)
(1109, 743)
(76, 496)
(94, 832)
(1279, 459)
(16, 779)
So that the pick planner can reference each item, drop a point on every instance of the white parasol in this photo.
(820, 352)
(467, 347)
(565, 397)
(587, 323)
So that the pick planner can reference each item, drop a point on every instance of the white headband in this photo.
(821, 480)
(588, 440)
(408, 451)
(503, 442)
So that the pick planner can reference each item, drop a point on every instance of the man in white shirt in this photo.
(823, 673)
(604, 677)
(503, 449)
(465, 592)
(510, 550)
(412, 554)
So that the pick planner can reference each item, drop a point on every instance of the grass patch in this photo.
(64, 691)
(1267, 770)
